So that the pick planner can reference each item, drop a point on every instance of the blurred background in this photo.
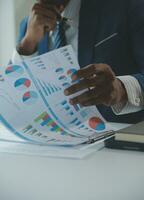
(11, 13)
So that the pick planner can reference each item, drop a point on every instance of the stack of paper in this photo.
(9, 143)
(33, 105)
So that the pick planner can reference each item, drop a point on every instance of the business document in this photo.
(33, 105)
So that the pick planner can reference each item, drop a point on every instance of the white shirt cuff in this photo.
(16, 57)
(135, 96)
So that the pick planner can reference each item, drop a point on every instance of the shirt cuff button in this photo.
(137, 101)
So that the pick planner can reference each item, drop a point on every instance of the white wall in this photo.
(22, 9)
(7, 30)
(11, 13)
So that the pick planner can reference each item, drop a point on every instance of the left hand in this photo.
(102, 87)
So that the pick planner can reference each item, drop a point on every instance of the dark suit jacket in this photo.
(124, 52)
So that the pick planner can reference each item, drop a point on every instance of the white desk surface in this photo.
(105, 175)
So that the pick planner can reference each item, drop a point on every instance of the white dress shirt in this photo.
(132, 86)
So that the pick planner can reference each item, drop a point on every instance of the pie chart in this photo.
(22, 84)
(14, 71)
(29, 98)
(96, 124)
(71, 72)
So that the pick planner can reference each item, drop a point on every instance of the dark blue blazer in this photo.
(124, 52)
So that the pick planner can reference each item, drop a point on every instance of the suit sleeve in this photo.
(136, 30)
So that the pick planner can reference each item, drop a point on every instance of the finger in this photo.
(41, 5)
(94, 70)
(47, 14)
(55, 10)
(80, 99)
(81, 85)
(46, 11)
(83, 73)
(86, 96)
(94, 101)
(93, 97)
(100, 83)
(88, 71)
(90, 101)
(49, 24)
(46, 7)
(42, 19)
(45, 22)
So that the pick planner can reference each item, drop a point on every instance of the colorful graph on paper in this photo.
(97, 124)
(30, 97)
(32, 100)
(14, 71)
(22, 83)
(45, 120)
(49, 88)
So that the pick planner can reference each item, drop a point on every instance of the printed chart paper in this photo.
(34, 107)
(11, 144)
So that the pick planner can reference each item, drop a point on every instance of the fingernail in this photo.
(66, 92)
(75, 81)
(74, 77)
(71, 102)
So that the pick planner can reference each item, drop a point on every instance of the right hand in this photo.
(42, 19)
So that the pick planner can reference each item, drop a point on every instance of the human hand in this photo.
(102, 87)
(43, 18)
